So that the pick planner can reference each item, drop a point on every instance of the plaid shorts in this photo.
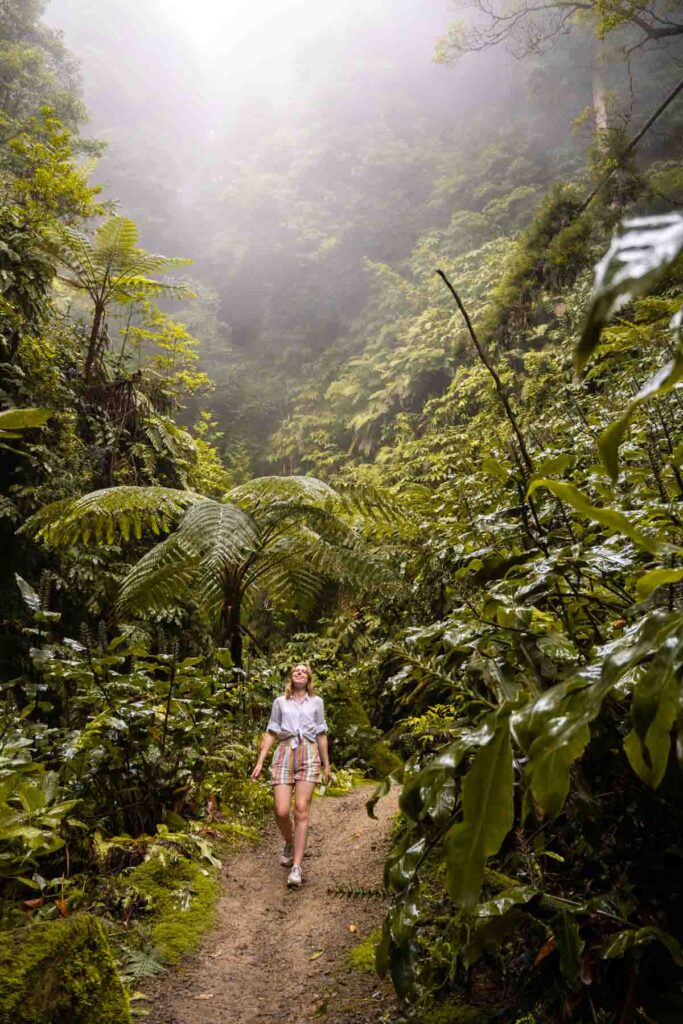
(295, 764)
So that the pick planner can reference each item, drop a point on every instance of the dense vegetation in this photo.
(457, 494)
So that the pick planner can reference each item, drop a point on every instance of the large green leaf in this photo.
(653, 710)
(555, 729)
(639, 256)
(403, 862)
(108, 515)
(489, 933)
(431, 792)
(30, 598)
(570, 946)
(12, 420)
(660, 384)
(656, 578)
(633, 938)
(616, 522)
(555, 732)
(495, 919)
(488, 814)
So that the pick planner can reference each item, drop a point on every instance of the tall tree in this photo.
(110, 268)
(529, 26)
(36, 69)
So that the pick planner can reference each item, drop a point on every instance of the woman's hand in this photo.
(257, 771)
(327, 775)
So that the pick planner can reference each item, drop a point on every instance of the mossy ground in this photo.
(362, 956)
(454, 1012)
(60, 972)
(181, 899)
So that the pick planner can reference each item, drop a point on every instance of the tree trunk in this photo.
(231, 630)
(93, 340)
(600, 112)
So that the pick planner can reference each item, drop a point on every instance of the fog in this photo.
(290, 146)
(178, 90)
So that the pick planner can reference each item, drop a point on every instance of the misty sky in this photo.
(238, 47)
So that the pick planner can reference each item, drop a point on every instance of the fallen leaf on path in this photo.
(545, 950)
(205, 995)
(321, 1010)
(318, 952)
(352, 928)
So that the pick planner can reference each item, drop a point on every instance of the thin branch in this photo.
(486, 360)
(631, 146)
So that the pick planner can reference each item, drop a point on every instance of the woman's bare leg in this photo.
(282, 798)
(302, 807)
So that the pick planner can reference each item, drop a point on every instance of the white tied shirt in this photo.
(304, 719)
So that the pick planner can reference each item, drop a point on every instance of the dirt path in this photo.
(263, 961)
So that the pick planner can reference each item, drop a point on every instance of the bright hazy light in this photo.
(250, 32)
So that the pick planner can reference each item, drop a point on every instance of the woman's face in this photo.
(299, 676)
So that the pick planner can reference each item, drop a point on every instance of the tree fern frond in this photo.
(159, 580)
(283, 583)
(116, 233)
(288, 516)
(107, 516)
(266, 489)
(212, 538)
(354, 567)
(221, 534)
(169, 440)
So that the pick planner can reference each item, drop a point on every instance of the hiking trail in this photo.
(279, 955)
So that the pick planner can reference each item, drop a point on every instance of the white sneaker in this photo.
(295, 877)
(287, 855)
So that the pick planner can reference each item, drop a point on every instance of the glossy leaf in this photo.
(12, 420)
(633, 938)
(650, 581)
(570, 946)
(401, 865)
(653, 711)
(431, 792)
(660, 384)
(556, 729)
(613, 521)
(487, 817)
(639, 256)
(31, 599)
(488, 934)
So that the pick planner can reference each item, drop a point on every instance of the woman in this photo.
(297, 720)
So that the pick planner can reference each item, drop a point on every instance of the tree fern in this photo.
(285, 542)
(267, 489)
(107, 516)
(211, 539)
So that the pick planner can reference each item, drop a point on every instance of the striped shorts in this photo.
(295, 764)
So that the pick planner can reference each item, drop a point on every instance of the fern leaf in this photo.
(104, 516)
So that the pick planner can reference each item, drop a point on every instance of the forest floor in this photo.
(279, 955)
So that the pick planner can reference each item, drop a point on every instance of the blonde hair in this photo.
(309, 682)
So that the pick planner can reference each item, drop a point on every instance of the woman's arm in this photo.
(321, 740)
(266, 744)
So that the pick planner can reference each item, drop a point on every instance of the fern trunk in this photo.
(232, 630)
(93, 340)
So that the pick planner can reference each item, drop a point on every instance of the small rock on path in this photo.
(280, 956)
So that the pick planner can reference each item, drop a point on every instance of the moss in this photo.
(232, 833)
(455, 1012)
(60, 972)
(362, 956)
(181, 902)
